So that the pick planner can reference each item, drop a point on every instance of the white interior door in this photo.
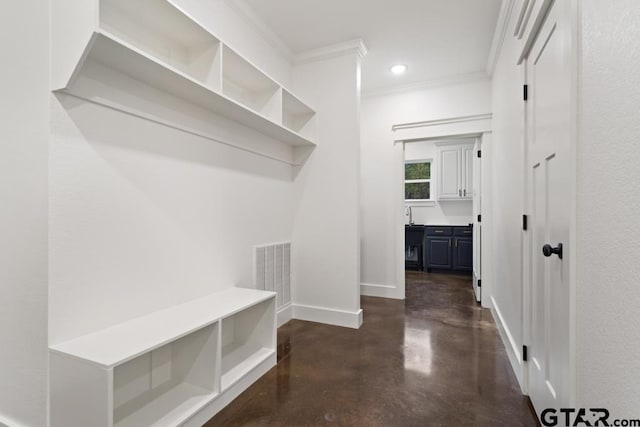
(548, 189)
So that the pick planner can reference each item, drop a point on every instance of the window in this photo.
(417, 180)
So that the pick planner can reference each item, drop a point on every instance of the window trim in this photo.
(418, 181)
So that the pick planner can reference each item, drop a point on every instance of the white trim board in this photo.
(540, 14)
(284, 314)
(446, 121)
(381, 291)
(444, 128)
(329, 316)
(513, 351)
(506, 9)
(522, 22)
(175, 126)
(332, 51)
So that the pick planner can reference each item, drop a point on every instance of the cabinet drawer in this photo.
(463, 231)
(439, 231)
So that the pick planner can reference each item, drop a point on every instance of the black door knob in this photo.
(549, 250)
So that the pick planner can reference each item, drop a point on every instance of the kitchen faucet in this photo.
(408, 211)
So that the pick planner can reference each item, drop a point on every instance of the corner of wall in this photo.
(325, 260)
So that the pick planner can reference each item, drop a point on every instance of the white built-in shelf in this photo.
(170, 408)
(160, 46)
(248, 86)
(162, 368)
(297, 116)
(245, 342)
(243, 365)
(120, 343)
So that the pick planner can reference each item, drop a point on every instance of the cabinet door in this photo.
(462, 254)
(450, 185)
(467, 171)
(438, 252)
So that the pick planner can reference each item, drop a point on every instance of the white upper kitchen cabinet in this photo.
(455, 171)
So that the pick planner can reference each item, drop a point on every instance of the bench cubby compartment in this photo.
(158, 386)
(167, 367)
(247, 340)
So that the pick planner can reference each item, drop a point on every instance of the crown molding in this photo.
(352, 46)
(499, 34)
(440, 122)
(248, 13)
(428, 84)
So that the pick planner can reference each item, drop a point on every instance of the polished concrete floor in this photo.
(435, 359)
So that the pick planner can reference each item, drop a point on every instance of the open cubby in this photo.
(159, 387)
(296, 116)
(176, 366)
(247, 85)
(164, 32)
(247, 340)
(158, 45)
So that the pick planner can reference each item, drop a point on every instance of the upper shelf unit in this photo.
(159, 45)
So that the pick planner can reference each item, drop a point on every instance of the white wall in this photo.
(507, 164)
(326, 252)
(144, 216)
(608, 290)
(436, 213)
(24, 118)
(381, 170)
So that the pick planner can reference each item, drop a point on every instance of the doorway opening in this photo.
(441, 205)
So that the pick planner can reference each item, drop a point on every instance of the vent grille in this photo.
(273, 271)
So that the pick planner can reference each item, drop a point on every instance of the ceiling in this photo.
(436, 39)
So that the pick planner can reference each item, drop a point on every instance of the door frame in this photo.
(474, 126)
(572, 13)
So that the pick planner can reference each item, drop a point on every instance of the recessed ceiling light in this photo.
(399, 69)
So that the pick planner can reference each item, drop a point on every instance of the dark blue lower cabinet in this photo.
(438, 253)
(448, 248)
(462, 254)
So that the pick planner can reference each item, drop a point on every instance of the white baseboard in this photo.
(513, 349)
(285, 314)
(347, 319)
(381, 291)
